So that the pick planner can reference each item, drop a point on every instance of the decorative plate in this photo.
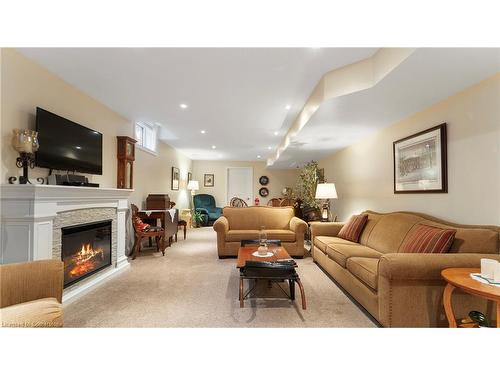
(264, 180)
(263, 192)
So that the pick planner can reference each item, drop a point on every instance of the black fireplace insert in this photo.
(86, 249)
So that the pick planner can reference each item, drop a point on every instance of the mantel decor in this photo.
(25, 142)
(420, 164)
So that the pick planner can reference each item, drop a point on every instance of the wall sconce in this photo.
(25, 142)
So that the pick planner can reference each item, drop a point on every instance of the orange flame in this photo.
(85, 260)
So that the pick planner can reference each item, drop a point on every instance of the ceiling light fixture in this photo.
(276, 133)
(183, 105)
(269, 148)
(213, 147)
(288, 106)
(258, 156)
(203, 131)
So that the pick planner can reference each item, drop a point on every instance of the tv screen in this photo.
(66, 145)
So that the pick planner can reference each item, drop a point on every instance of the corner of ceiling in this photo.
(352, 78)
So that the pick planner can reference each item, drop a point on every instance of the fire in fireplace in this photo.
(86, 249)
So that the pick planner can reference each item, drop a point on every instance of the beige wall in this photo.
(278, 178)
(26, 85)
(363, 173)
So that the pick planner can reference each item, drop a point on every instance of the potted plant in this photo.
(197, 219)
(309, 177)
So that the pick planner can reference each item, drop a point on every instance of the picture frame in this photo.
(175, 178)
(420, 162)
(208, 180)
(190, 177)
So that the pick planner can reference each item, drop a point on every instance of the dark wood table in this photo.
(460, 278)
(279, 253)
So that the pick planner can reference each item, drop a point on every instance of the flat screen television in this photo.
(66, 145)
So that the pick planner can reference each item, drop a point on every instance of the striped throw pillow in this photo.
(352, 230)
(428, 239)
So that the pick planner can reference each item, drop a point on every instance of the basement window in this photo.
(146, 136)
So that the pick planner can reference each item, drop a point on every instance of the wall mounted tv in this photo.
(66, 145)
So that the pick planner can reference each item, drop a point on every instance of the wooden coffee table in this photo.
(279, 253)
(460, 278)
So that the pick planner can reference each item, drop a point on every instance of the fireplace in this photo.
(86, 249)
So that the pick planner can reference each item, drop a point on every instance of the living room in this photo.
(243, 186)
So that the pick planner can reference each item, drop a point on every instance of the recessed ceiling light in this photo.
(203, 131)
(258, 156)
(269, 147)
(78, 147)
(213, 147)
(288, 106)
(183, 105)
(276, 133)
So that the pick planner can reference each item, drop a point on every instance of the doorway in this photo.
(240, 184)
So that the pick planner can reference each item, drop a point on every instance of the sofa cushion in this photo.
(352, 230)
(242, 218)
(272, 234)
(45, 312)
(341, 252)
(321, 242)
(428, 239)
(365, 269)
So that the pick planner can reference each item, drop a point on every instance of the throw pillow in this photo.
(352, 230)
(428, 239)
(139, 224)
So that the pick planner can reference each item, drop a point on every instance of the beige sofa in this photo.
(31, 293)
(244, 223)
(402, 289)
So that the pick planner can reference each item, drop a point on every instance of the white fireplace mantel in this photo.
(28, 213)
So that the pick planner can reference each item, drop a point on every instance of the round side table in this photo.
(460, 278)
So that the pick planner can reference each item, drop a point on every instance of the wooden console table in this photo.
(460, 278)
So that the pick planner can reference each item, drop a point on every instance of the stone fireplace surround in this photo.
(33, 215)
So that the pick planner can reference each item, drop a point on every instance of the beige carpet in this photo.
(191, 287)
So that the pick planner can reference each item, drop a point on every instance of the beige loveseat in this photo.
(244, 223)
(402, 289)
(31, 293)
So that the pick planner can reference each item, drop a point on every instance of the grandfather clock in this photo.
(126, 157)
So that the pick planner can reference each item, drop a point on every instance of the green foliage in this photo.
(305, 188)
(197, 218)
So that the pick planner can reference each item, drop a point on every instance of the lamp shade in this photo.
(326, 191)
(193, 185)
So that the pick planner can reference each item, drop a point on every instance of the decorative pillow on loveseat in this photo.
(352, 230)
(428, 239)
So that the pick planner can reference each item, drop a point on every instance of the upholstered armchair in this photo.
(205, 204)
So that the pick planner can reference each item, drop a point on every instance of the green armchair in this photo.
(205, 205)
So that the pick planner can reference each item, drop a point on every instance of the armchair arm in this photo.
(409, 266)
(298, 225)
(24, 282)
(325, 229)
(221, 225)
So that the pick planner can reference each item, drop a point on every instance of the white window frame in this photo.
(153, 132)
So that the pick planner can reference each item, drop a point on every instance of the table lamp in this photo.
(326, 191)
(193, 186)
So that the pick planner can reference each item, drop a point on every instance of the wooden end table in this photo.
(460, 278)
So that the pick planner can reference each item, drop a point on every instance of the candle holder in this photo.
(24, 141)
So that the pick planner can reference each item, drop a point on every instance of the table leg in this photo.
(291, 283)
(448, 309)
(498, 314)
(241, 293)
(185, 225)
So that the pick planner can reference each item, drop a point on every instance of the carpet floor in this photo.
(191, 287)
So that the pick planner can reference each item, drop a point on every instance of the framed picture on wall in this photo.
(175, 178)
(208, 180)
(190, 177)
(420, 163)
